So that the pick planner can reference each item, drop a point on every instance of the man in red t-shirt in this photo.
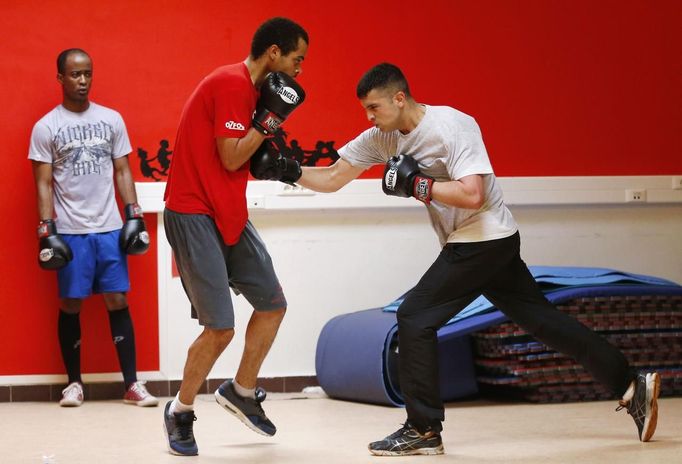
(225, 120)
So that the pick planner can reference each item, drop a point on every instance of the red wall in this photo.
(559, 88)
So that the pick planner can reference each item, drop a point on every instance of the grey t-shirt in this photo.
(81, 148)
(448, 145)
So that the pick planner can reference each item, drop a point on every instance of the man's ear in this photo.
(60, 78)
(274, 52)
(399, 98)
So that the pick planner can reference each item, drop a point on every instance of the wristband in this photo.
(46, 227)
(133, 210)
(266, 122)
(422, 189)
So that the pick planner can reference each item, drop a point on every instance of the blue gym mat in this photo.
(356, 356)
(555, 278)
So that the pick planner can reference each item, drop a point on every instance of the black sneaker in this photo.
(179, 429)
(406, 442)
(247, 410)
(643, 406)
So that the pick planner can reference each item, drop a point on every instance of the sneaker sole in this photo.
(653, 388)
(421, 451)
(143, 403)
(70, 404)
(232, 409)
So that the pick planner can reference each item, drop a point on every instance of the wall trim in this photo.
(98, 391)
(367, 193)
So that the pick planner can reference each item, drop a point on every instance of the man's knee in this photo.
(415, 324)
(115, 301)
(279, 313)
(409, 316)
(273, 314)
(71, 305)
(218, 337)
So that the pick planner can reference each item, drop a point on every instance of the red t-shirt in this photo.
(221, 106)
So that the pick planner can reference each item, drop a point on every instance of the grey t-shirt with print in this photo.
(81, 148)
(448, 145)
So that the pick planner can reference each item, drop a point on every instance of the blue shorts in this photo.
(98, 266)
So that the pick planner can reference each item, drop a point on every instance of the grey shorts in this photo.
(208, 268)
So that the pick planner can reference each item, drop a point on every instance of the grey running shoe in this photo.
(179, 430)
(407, 441)
(643, 406)
(247, 410)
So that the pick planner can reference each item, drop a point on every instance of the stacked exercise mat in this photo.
(646, 324)
(480, 350)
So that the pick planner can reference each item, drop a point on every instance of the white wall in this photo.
(328, 263)
(358, 249)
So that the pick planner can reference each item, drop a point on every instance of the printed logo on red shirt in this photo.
(234, 125)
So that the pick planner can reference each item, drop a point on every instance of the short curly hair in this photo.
(279, 31)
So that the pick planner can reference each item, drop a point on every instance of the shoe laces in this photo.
(636, 411)
(622, 404)
(72, 390)
(259, 398)
(184, 425)
(139, 388)
(404, 429)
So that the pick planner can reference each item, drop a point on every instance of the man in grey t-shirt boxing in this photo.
(436, 154)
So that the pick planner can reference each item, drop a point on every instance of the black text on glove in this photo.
(280, 94)
(402, 178)
(134, 239)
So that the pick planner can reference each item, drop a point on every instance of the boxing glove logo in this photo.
(422, 189)
(289, 95)
(391, 177)
(46, 254)
(144, 237)
(272, 122)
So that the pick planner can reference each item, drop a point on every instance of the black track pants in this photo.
(461, 273)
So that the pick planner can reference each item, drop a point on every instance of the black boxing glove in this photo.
(402, 178)
(53, 252)
(279, 96)
(134, 238)
(267, 163)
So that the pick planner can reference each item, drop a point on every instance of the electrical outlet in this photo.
(635, 196)
(256, 202)
(677, 182)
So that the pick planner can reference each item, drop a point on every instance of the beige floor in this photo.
(321, 430)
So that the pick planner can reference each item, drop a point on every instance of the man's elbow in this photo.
(477, 201)
(231, 167)
(336, 181)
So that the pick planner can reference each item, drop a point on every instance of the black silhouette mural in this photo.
(323, 154)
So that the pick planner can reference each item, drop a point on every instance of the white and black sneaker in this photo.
(247, 410)
(643, 404)
(407, 441)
